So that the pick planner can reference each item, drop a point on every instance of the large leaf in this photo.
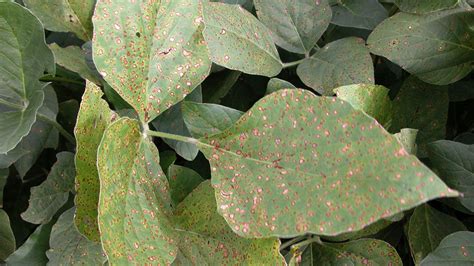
(93, 118)
(73, 58)
(427, 227)
(25, 57)
(424, 6)
(296, 25)
(365, 14)
(65, 15)
(297, 163)
(237, 40)
(182, 181)
(205, 238)
(454, 161)
(342, 62)
(6, 236)
(437, 48)
(151, 52)
(69, 247)
(456, 248)
(47, 198)
(134, 201)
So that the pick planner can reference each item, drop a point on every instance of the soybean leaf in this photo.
(218, 85)
(6, 236)
(69, 247)
(204, 119)
(296, 26)
(461, 91)
(205, 238)
(426, 229)
(238, 41)
(25, 57)
(457, 247)
(425, 6)
(182, 181)
(3, 181)
(47, 198)
(275, 170)
(454, 160)
(365, 14)
(358, 252)
(437, 48)
(65, 15)
(277, 84)
(421, 106)
(167, 158)
(342, 62)
(93, 118)
(67, 115)
(407, 137)
(152, 54)
(74, 58)
(134, 201)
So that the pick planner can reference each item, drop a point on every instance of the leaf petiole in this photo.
(172, 136)
(58, 126)
(294, 63)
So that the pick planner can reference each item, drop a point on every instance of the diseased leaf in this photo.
(342, 62)
(73, 58)
(3, 181)
(424, 6)
(6, 236)
(296, 26)
(362, 14)
(277, 84)
(25, 58)
(47, 198)
(69, 247)
(457, 247)
(151, 52)
(182, 181)
(437, 48)
(407, 137)
(205, 238)
(426, 229)
(454, 160)
(204, 119)
(134, 201)
(238, 41)
(93, 118)
(294, 160)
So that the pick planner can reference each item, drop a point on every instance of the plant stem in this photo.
(311, 239)
(61, 130)
(172, 136)
(60, 79)
(294, 63)
(291, 242)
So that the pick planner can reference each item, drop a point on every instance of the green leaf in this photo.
(357, 252)
(93, 118)
(182, 181)
(426, 229)
(65, 15)
(204, 119)
(421, 106)
(47, 198)
(6, 236)
(26, 57)
(152, 53)
(276, 84)
(407, 137)
(238, 41)
(369, 230)
(69, 247)
(296, 26)
(275, 170)
(73, 58)
(134, 201)
(372, 99)
(205, 238)
(342, 62)
(167, 158)
(437, 48)
(247, 4)
(218, 85)
(425, 6)
(365, 14)
(454, 160)
(3, 181)
(456, 248)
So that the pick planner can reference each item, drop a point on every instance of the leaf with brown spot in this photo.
(457, 247)
(425, 6)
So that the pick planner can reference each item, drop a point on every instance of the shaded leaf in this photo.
(275, 170)
(6, 236)
(363, 14)
(182, 181)
(218, 85)
(239, 41)
(73, 58)
(426, 229)
(466, 138)
(152, 53)
(134, 201)
(67, 116)
(457, 247)
(407, 137)
(247, 4)
(424, 6)
(296, 26)
(461, 91)
(369, 230)
(277, 84)
(47, 198)
(3, 181)
(342, 62)
(437, 48)
(167, 158)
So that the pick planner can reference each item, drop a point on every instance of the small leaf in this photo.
(73, 58)
(152, 53)
(238, 41)
(134, 201)
(182, 181)
(342, 62)
(436, 48)
(204, 119)
(362, 14)
(296, 25)
(426, 229)
(457, 247)
(407, 137)
(205, 238)
(424, 6)
(6, 236)
(275, 170)
(276, 84)
(47, 198)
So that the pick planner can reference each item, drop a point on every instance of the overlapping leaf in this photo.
(424, 6)
(277, 84)
(151, 52)
(6, 236)
(182, 181)
(297, 163)
(407, 137)
(73, 58)
(457, 247)
(363, 14)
